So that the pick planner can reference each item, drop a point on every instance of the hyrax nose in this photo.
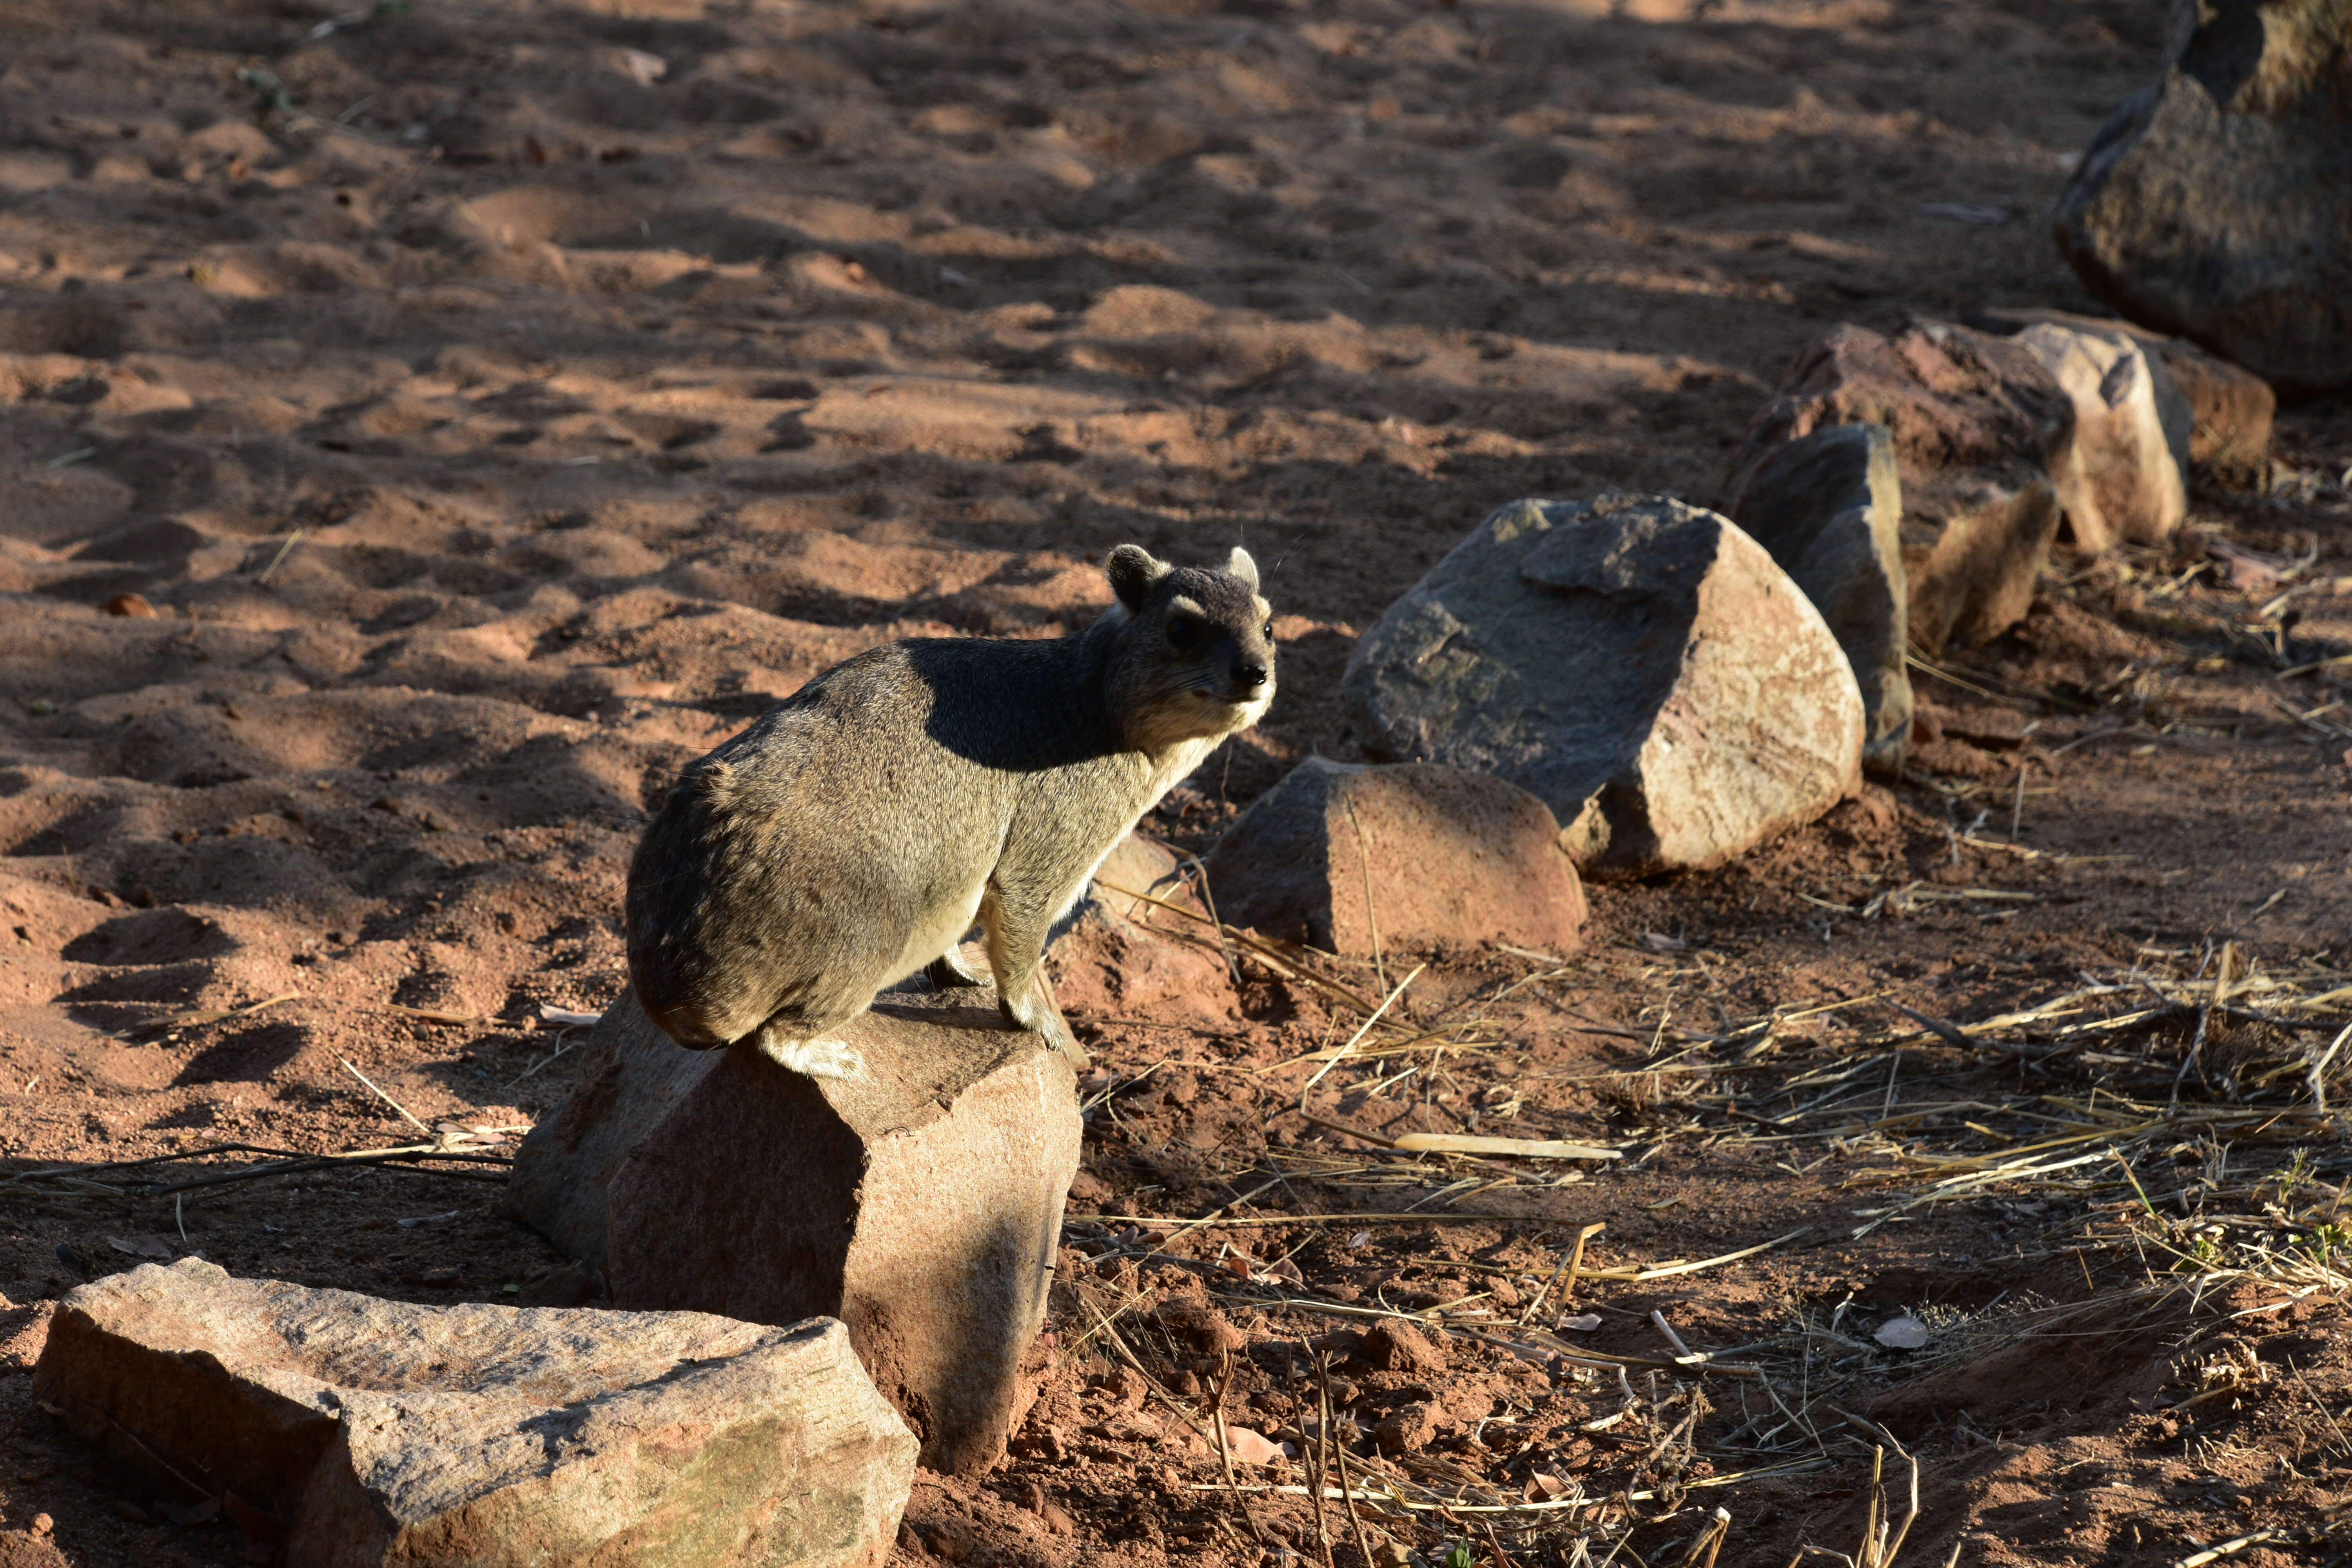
(1249, 677)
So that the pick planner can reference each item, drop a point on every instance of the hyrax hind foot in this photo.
(948, 971)
(1046, 1021)
(813, 1058)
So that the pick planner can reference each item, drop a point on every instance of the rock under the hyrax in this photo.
(2129, 479)
(1980, 427)
(920, 1203)
(383, 1433)
(2228, 409)
(2217, 204)
(1829, 507)
(1349, 858)
(1640, 665)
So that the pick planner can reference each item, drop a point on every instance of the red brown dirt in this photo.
(490, 431)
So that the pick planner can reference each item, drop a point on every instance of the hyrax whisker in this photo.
(855, 832)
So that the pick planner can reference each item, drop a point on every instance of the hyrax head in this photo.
(1196, 648)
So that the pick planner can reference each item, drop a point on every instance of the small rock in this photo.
(1394, 1345)
(378, 1432)
(2129, 479)
(1407, 1431)
(919, 1203)
(1636, 651)
(132, 605)
(1442, 855)
(2215, 203)
(1979, 427)
(1829, 507)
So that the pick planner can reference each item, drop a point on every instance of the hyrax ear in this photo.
(1240, 565)
(1132, 569)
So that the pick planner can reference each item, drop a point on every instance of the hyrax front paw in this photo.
(815, 1058)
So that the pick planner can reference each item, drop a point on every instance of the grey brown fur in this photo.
(852, 834)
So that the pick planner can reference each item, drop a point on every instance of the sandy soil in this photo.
(497, 405)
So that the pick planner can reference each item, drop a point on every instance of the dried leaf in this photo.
(1903, 1334)
(143, 1245)
(1584, 1323)
(639, 67)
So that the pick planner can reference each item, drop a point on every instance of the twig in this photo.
(385, 1098)
(1255, 1220)
(1265, 952)
(1355, 1520)
(1464, 1148)
(1565, 1278)
(279, 560)
(1553, 1505)
(1709, 1541)
(1524, 1148)
(290, 1162)
(1371, 921)
(330, 1162)
(429, 1015)
(1209, 902)
(2317, 1078)
(1226, 1450)
(1340, 1054)
(543, 1061)
(1318, 1458)
(210, 1015)
(2232, 1548)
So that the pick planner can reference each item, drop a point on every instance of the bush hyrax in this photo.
(854, 833)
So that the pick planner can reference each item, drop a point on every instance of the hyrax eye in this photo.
(1183, 633)
(1267, 631)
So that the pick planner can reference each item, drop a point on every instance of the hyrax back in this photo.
(854, 833)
